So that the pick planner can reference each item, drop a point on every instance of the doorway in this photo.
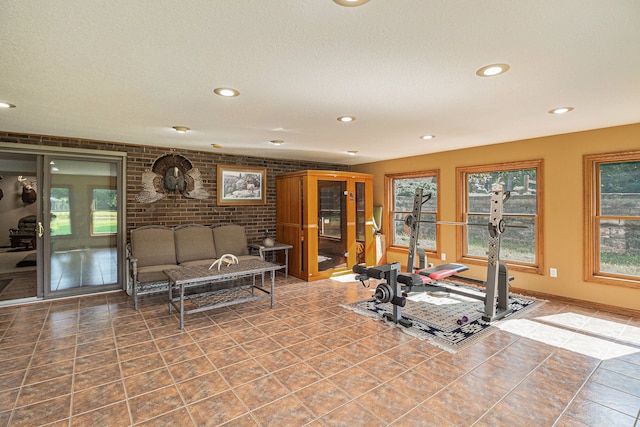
(74, 240)
(332, 225)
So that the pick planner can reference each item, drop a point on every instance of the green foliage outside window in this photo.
(518, 243)
(104, 218)
(404, 190)
(60, 221)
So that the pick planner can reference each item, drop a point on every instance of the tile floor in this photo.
(94, 361)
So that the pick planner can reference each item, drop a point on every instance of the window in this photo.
(401, 189)
(104, 211)
(60, 220)
(612, 220)
(521, 243)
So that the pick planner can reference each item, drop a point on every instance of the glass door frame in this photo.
(43, 215)
(310, 220)
(360, 252)
(340, 212)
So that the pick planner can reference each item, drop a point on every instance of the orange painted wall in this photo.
(563, 204)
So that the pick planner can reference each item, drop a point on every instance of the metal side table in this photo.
(262, 250)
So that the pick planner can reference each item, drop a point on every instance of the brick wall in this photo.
(180, 210)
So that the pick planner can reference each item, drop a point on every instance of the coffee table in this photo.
(185, 277)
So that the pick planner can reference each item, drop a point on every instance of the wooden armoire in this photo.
(327, 217)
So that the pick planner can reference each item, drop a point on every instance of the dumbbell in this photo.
(462, 320)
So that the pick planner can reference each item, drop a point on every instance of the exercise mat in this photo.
(449, 321)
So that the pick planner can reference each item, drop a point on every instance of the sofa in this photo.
(153, 249)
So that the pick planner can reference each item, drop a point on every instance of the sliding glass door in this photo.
(65, 212)
(19, 217)
(82, 224)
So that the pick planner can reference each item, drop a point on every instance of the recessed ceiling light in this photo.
(427, 137)
(561, 110)
(352, 152)
(226, 91)
(277, 141)
(181, 129)
(351, 3)
(492, 70)
(6, 105)
(216, 145)
(346, 119)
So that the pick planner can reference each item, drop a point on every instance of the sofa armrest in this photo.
(132, 270)
(132, 280)
(133, 265)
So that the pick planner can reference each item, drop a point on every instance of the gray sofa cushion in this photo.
(230, 239)
(153, 245)
(203, 262)
(194, 242)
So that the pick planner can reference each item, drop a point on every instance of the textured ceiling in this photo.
(128, 71)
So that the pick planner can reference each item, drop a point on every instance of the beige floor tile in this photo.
(217, 410)
(147, 382)
(261, 392)
(158, 402)
(115, 415)
(286, 411)
(92, 398)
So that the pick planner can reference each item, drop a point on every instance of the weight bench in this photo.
(442, 271)
(397, 284)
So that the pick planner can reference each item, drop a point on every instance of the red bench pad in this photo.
(442, 271)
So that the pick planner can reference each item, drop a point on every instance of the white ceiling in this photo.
(129, 70)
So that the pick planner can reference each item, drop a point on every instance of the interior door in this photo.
(82, 225)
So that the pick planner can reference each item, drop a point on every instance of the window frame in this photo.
(389, 200)
(462, 212)
(592, 216)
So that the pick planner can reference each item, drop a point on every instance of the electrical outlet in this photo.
(553, 272)
(443, 257)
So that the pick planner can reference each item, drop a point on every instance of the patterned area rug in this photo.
(451, 322)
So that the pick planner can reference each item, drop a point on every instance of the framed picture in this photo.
(241, 185)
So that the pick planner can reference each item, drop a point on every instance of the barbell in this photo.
(408, 221)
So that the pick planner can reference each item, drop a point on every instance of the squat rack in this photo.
(419, 280)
